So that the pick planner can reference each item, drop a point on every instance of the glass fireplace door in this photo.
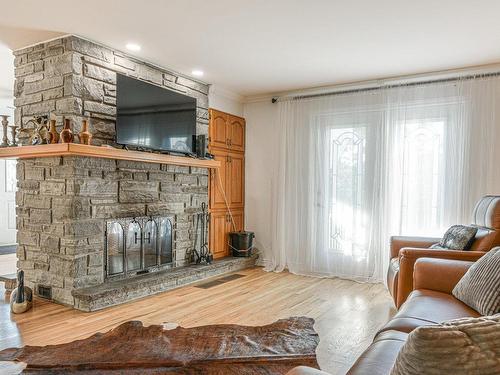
(133, 247)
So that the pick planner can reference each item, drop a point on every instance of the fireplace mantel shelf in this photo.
(106, 152)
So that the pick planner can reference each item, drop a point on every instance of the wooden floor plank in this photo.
(347, 314)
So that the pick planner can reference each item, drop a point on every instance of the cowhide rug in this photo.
(132, 348)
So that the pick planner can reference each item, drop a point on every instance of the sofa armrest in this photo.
(408, 257)
(440, 275)
(398, 242)
(304, 370)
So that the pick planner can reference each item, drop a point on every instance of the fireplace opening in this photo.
(137, 245)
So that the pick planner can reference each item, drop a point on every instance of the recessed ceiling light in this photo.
(133, 47)
(197, 73)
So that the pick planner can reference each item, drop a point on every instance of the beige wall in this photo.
(260, 119)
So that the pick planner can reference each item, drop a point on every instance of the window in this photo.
(347, 186)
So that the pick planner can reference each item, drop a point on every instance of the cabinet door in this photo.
(219, 186)
(235, 182)
(237, 133)
(218, 129)
(218, 234)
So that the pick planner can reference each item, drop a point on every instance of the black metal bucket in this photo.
(241, 243)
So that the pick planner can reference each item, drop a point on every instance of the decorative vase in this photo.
(53, 133)
(85, 136)
(66, 134)
(5, 123)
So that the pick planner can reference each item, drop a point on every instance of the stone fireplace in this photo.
(95, 231)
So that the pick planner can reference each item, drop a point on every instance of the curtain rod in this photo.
(382, 86)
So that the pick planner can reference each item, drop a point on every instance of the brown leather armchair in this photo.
(406, 250)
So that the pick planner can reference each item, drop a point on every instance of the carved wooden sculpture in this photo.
(132, 348)
(21, 298)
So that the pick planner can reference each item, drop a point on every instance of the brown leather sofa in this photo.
(430, 303)
(406, 250)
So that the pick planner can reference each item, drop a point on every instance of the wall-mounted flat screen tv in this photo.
(153, 117)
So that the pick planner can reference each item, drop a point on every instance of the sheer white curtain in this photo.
(353, 169)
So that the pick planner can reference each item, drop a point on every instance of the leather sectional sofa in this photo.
(406, 250)
(430, 302)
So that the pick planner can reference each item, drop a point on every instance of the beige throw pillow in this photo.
(479, 288)
(458, 347)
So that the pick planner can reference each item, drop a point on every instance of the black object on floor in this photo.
(8, 249)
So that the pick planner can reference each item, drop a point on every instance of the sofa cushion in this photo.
(380, 356)
(458, 237)
(426, 307)
(459, 347)
(392, 276)
(479, 288)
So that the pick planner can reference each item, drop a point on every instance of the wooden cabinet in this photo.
(227, 184)
(220, 226)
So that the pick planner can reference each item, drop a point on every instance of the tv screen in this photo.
(153, 117)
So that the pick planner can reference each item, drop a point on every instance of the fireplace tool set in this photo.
(203, 255)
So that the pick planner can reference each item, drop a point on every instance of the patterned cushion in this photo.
(480, 286)
(458, 347)
(458, 237)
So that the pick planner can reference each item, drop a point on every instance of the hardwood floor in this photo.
(347, 314)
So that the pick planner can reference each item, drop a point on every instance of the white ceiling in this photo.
(262, 46)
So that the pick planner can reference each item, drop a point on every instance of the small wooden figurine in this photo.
(21, 298)
(66, 135)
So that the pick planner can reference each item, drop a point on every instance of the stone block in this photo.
(149, 74)
(37, 256)
(175, 168)
(161, 176)
(35, 77)
(71, 105)
(95, 259)
(138, 191)
(140, 176)
(96, 107)
(62, 296)
(90, 163)
(50, 243)
(164, 208)
(59, 65)
(86, 88)
(203, 181)
(34, 173)
(101, 128)
(28, 238)
(96, 187)
(37, 201)
(124, 62)
(57, 229)
(24, 70)
(41, 108)
(48, 278)
(197, 86)
(99, 73)
(84, 228)
(185, 179)
(198, 199)
(53, 93)
(136, 165)
(52, 187)
(88, 48)
(118, 210)
(73, 208)
(46, 84)
(176, 198)
(40, 216)
(202, 171)
(48, 161)
(28, 99)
